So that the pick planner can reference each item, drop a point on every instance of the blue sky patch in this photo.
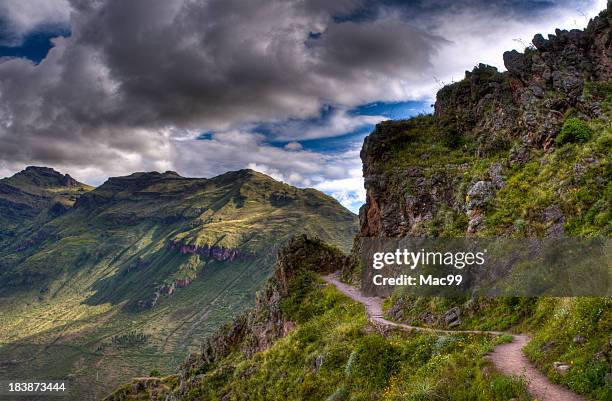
(205, 136)
(393, 110)
(35, 46)
(345, 140)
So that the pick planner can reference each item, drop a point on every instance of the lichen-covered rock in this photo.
(452, 317)
(554, 220)
(561, 368)
(496, 175)
(479, 194)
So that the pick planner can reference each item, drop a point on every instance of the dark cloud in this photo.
(19, 18)
(137, 80)
(148, 64)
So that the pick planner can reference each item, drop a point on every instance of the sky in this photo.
(286, 87)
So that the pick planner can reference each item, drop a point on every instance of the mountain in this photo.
(133, 273)
(35, 194)
(521, 153)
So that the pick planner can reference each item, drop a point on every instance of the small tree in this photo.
(573, 130)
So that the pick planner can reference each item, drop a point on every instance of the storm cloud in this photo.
(137, 81)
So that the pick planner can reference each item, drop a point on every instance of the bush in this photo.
(449, 133)
(374, 362)
(574, 130)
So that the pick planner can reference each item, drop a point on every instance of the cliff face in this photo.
(218, 253)
(441, 174)
(521, 153)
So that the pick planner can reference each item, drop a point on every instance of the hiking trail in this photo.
(507, 358)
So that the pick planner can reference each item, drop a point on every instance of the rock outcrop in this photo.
(218, 253)
(164, 289)
(519, 111)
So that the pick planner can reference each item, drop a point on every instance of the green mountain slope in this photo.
(142, 267)
(34, 195)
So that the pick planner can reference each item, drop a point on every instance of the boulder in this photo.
(561, 368)
(452, 317)
(539, 42)
(495, 173)
(479, 194)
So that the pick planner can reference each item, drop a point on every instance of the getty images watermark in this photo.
(487, 266)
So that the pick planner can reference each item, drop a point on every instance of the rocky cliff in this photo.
(441, 174)
(520, 153)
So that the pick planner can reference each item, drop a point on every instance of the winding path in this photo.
(507, 358)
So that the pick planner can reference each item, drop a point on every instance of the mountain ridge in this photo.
(145, 264)
(32, 193)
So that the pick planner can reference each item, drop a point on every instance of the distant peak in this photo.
(46, 177)
(150, 175)
(242, 175)
(40, 169)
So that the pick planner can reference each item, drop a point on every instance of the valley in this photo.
(131, 277)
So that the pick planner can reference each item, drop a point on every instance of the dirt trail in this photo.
(507, 358)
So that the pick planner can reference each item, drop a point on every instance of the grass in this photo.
(496, 314)
(575, 331)
(334, 354)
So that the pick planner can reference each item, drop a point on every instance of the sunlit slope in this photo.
(143, 267)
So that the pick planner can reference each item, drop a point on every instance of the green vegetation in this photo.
(131, 339)
(574, 130)
(337, 355)
(576, 178)
(496, 314)
(576, 332)
(120, 283)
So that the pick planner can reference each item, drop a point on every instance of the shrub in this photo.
(375, 361)
(574, 130)
(449, 133)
